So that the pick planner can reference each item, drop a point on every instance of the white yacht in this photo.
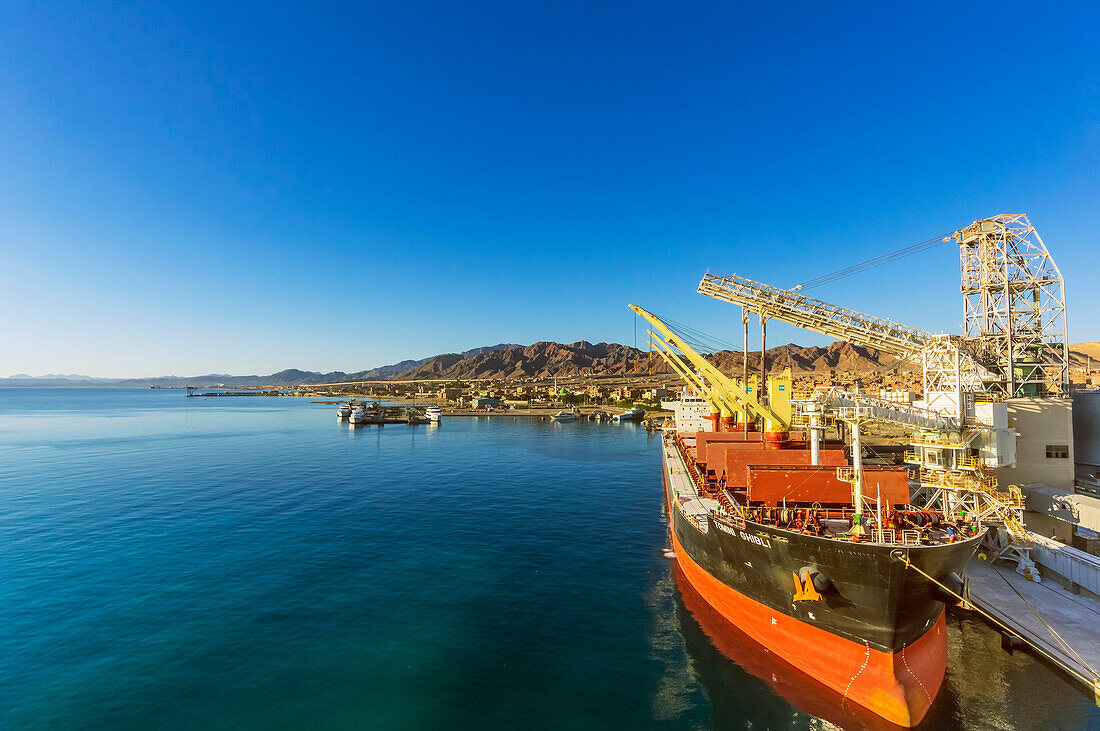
(631, 415)
(358, 416)
(343, 412)
(434, 414)
(565, 416)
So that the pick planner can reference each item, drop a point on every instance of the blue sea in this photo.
(173, 562)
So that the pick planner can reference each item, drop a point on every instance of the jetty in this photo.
(378, 415)
(194, 393)
(1059, 624)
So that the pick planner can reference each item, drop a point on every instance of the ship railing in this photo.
(949, 478)
(989, 483)
(700, 523)
(908, 537)
(824, 513)
(904, 537)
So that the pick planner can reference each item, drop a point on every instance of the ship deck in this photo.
(681, 483)
(693, 490)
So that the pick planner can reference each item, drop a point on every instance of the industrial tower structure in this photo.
(1014, 305)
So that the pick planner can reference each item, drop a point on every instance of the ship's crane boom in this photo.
(828, 319)
(728, 390)
(684, 371)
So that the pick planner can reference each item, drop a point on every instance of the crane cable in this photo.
(871, 263)
(701, 341)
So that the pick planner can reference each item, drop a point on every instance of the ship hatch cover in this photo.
(699, 507)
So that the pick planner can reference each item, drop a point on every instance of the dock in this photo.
(378, 415)
(1058, 625)
(194, 393)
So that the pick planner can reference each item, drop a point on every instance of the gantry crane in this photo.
(828, 319)
(1013, 310)
(1014, 345)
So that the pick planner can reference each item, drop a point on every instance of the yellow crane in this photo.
(681, 369)
(776, 416)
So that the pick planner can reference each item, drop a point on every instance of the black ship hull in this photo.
(875, 631)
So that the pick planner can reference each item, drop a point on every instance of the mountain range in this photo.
(542, 359)
(55, 377)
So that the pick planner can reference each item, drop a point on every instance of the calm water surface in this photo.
(251, 562)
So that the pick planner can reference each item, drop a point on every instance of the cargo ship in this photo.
(764, 531)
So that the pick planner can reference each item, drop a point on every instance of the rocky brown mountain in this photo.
(549, 359)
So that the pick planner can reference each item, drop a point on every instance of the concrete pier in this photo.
(1075, 618)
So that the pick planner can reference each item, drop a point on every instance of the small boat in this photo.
(343, 412)
(565, 416)
(434, 414)
(631, 415)
(358, 416)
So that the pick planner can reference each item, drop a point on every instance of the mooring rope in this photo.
(904, 558)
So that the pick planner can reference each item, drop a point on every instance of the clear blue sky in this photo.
(211, 188)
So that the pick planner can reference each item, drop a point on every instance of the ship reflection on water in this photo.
(984, 687)
(742, 678)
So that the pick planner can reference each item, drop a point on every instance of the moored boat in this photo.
(343, 412)
(634, 414)
(780, 559)
(358, 415)
(434, 414)
(564, 416)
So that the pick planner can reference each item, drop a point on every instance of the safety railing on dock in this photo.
(818, 420)
(968, 463)
(935, 439)
(958, 480)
